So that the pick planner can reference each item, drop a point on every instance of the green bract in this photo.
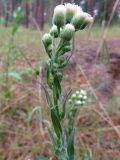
(59, 17)
(68, 32)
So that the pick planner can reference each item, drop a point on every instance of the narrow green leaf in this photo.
(62, 115)
(52, 137)
(57, 87)
(70, 146)
(49, 82)
(49, 102)
(56, 123)
(15, 28)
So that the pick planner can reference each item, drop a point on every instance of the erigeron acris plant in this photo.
(67, 20)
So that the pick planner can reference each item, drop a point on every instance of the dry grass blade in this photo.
(106, 116)
(106, 29)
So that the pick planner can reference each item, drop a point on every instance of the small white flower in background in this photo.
(83, 92)
(59, 16)
(54, 31)
(79, 102)
(77, 92)
(84, 97)
(14, 14)
(73, 96)
(78, 98)
(69, 101)
(47, 39)
(19, 8)
(68, 32)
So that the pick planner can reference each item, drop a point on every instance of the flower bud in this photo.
(54, 31)
(68, 32)
(67, 48)
(83, 92)
(80, 96)
(71, 9)
(84, 97)
(47, 39)
(78, 20)
(59, 17)
(77, 93)
(59, 75)
(78, 102)
(73, 96)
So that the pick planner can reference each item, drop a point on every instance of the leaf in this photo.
(49, 82)
(56, 123)
(70, 146)
(16, 53)
(52, 137)
(57, 87)
(49, 102)
(31, 70)
(18, 16)
(15, 75)
(62, 115)
(14, 29)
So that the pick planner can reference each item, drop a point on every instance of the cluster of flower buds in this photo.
(67, 19)
(78, 98)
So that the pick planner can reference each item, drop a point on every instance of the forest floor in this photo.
(94, 69)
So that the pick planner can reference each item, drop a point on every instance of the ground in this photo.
(94, 69)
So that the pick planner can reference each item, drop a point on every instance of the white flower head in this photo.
(78, 8)
(54, 31)
(78, 19)
(88, 18)
(68, 32)
(59, 17)
(71, 9)
(47, 39)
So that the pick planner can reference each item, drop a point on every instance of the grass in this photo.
(19, 140)
(96, 33)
